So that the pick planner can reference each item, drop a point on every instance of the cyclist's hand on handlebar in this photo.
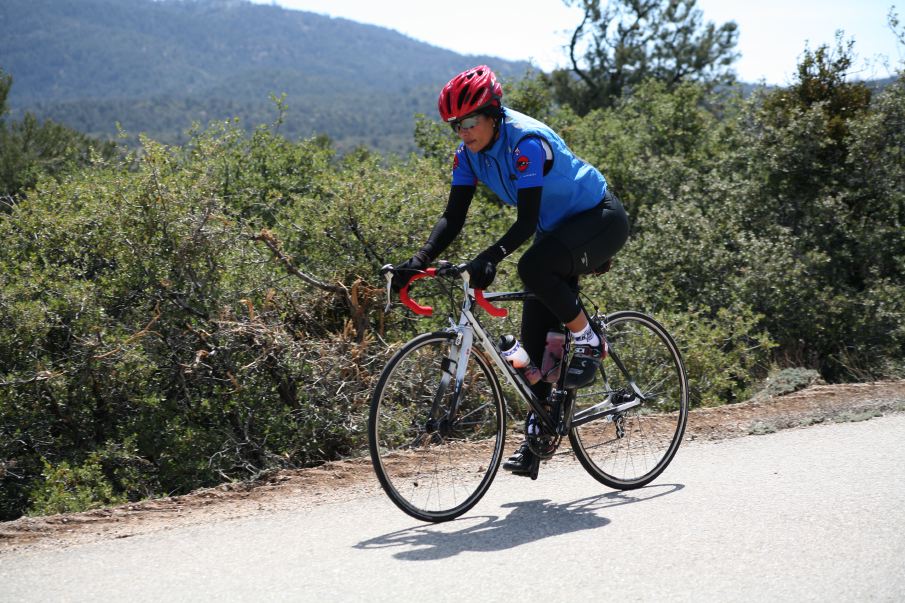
(403, 273)
(481, 272)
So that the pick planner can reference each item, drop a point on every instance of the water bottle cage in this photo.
(552, 370)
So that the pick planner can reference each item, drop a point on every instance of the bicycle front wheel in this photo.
(436, 445)
(627, 449)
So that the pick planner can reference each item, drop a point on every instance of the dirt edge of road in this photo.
(345, 480)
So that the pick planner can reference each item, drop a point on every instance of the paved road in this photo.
(808, 514)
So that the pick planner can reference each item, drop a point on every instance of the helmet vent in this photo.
(464, 97)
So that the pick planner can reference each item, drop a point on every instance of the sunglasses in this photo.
(464, 124)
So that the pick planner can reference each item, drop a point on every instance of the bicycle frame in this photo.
(470, 331)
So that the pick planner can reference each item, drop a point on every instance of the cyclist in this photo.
(577, 222)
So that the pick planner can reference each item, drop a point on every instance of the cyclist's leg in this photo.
(578, 246)
(537, 321)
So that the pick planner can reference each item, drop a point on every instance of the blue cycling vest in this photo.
(571, 186)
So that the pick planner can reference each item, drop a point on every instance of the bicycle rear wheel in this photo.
(433, 465)
(628, 449)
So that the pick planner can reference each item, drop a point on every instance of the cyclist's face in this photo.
(478, 136)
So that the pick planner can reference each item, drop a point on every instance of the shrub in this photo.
(787, 381)
(66, 489)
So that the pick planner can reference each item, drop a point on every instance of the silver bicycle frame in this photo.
(467, 331)
(468, 328)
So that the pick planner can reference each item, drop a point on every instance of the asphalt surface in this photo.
(800, 515)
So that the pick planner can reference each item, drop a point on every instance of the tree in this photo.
(811, 122)
(619, 45)
(6, 82)
(892, 19)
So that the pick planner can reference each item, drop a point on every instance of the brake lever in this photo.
(387, 272)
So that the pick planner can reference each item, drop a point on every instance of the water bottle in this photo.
(551, 366)
(516, 355)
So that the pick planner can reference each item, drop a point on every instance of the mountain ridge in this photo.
(103, 62)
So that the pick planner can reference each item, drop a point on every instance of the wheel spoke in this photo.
(461, 420)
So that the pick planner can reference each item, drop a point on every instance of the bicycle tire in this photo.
(651, 432)
(435, 471)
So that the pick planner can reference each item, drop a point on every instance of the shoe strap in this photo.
(586, 349)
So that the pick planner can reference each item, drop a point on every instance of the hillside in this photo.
(157, 66)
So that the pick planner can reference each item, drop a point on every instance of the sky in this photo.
(772, 33)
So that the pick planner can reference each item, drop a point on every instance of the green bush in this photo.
(65, 489)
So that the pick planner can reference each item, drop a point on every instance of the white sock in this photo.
(586, 336)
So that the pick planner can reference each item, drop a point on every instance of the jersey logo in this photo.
(456, 161)
(521, 164)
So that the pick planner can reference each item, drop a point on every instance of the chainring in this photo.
(543, 445)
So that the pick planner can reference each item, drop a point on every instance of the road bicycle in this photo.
(437, 422)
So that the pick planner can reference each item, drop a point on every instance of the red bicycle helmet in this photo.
(470, 91)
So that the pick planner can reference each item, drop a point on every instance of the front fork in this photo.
(453, 371)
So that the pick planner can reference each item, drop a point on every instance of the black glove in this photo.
(481, 272)
(403, 273)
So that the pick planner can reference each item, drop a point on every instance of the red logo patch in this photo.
(456, 161)
(521, 164)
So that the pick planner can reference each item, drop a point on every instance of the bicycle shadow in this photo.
(529, 521)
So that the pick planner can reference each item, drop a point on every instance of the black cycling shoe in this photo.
(584, 365)
(523, 462)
